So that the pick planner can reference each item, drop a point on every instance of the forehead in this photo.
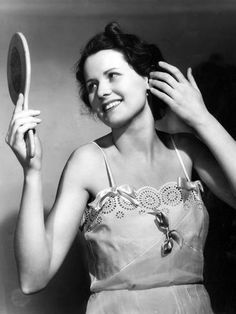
(104, 60)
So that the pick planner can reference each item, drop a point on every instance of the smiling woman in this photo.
(130, 191)
(115, 91)
(141, 58)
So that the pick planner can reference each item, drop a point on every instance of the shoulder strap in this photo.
(109, 173)
(180, 158)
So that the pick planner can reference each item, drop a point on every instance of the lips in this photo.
(111, 104)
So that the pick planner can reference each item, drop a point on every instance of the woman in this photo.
(144, 222)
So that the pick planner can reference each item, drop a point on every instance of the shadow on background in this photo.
(67, 292)
(217, 82)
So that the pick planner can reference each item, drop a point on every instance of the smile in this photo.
(111, 105)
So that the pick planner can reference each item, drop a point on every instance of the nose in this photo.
(104, 89)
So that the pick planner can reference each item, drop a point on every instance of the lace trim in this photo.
(148, 200)
(126, 199)
(147, 196)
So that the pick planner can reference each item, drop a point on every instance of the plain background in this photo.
(187, 32)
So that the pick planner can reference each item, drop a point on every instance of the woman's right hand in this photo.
(21, 122)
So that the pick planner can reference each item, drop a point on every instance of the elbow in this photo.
(32, 279)
(27, 289)
(32, 286)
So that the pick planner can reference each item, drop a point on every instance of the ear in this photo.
(147, 83)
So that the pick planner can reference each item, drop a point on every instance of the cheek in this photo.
(138, 86)
(139, 93)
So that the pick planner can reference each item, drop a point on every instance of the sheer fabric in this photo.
(126, 232)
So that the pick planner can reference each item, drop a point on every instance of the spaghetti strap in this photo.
(180, 158)
(109, 173)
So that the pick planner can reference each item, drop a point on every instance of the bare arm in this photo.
(215, 164)
(207, 167)
(40, 248)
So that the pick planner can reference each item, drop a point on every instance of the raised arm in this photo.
(40, 248)
(215, 163)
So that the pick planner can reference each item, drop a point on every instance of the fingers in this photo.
(167, 82)
(166, 77)
(162, 83)
(173, 84)
(19, 127)
(22, 130)
(19, 111)
(23, 121)
(173, 71)
(163, 96)
(24, 114)
(191, 78)
(16, 139)
(161, 86)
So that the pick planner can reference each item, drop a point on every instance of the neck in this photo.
(139, 136)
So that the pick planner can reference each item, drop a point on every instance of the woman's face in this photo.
(116, 92)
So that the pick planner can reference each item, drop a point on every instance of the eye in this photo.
(113, 75)
(91, 87)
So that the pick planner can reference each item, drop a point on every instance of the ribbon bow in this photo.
(189, 185)
(124, 191)
(162, 223)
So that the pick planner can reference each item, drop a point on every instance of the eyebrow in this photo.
(111, 69)
(107, 71)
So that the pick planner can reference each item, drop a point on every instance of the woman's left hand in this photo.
(181, 94)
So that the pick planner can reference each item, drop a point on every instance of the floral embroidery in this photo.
(126, 204)
(149, 198)
(120, 214)
(171, 195)
(116, 201)
(109, 205)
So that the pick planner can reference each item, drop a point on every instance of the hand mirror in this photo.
(18, 77)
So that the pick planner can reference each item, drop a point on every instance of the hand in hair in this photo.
(180, 94)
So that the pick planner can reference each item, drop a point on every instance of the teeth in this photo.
(112, 104)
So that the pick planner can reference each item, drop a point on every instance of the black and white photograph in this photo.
(118, 157)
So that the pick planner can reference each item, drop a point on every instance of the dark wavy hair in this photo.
(143, 58)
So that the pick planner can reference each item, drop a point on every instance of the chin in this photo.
(116, 123)
(119, 119)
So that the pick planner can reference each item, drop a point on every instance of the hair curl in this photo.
(143, 58)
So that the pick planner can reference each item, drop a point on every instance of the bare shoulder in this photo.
(84, 155)
(84, 159)
(85, 166)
